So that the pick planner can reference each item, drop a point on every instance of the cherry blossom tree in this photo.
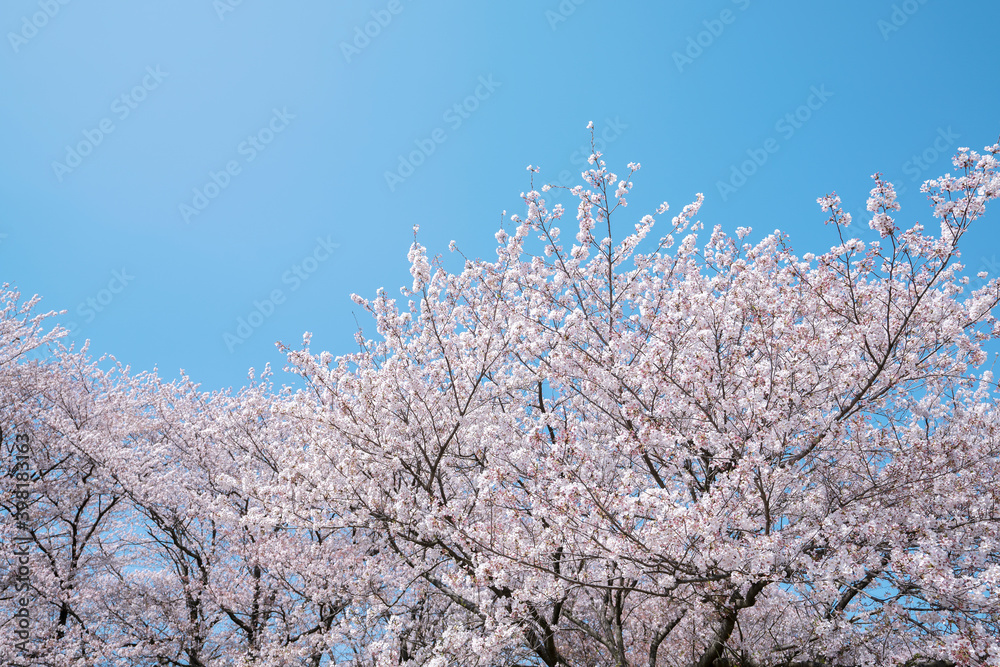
(144, 528)
(68, 513)
(212, 576)
(626, 450)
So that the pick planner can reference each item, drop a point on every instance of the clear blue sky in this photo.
(286, 118)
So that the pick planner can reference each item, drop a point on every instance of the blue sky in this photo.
(168, 169)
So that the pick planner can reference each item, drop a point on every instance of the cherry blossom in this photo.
(620, 449)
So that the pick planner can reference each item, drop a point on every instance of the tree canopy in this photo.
(614, 451)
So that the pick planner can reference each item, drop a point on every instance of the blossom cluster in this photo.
(620, 450)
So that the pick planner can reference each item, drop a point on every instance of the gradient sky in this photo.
(164, 166)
